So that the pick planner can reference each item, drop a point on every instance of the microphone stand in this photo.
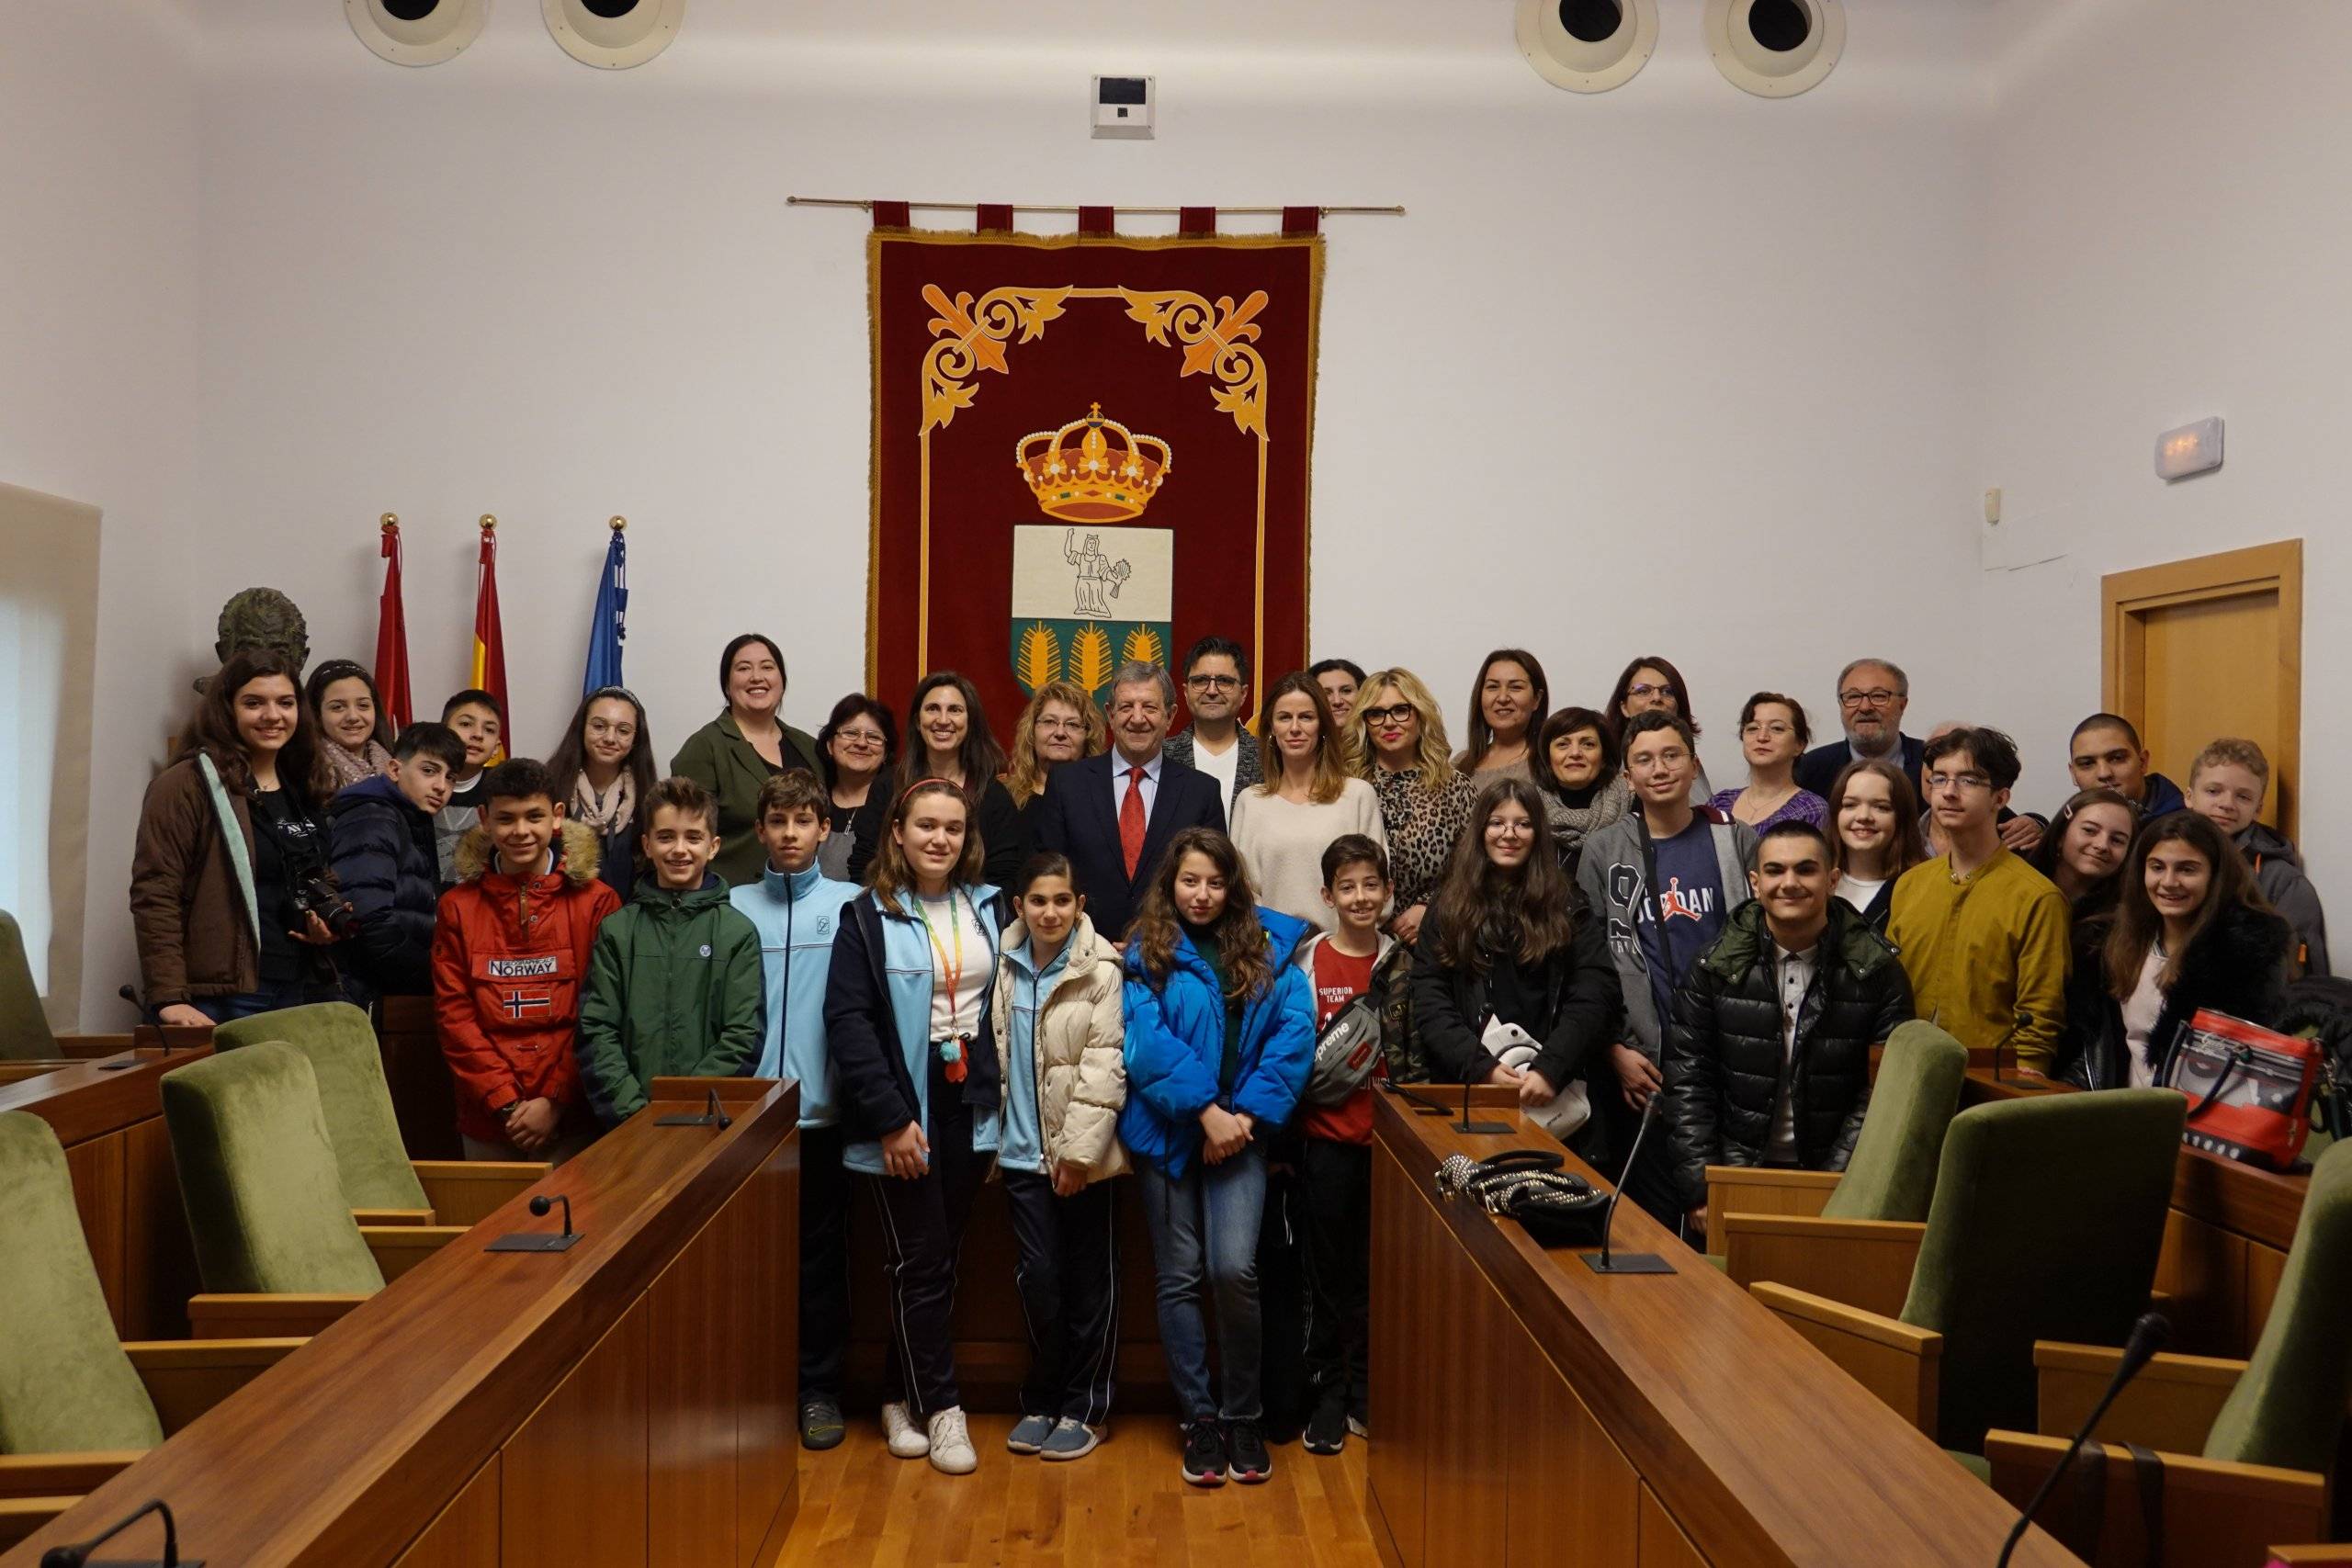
(1421, 1105)
(1603, 1261)
(78, 1553)
(1479, 1129)
(2148, 1337)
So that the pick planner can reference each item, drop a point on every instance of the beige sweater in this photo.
(1281, 844)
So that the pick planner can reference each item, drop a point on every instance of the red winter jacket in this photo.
(509, 963)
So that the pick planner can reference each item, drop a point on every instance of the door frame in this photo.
(2126, 598)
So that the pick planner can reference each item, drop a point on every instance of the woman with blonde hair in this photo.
(1060, 725)
(1425, 803)
(1309, 797)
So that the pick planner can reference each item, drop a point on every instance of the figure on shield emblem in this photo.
(1099, 577)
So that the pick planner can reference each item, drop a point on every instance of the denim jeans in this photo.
(228, 1010)
(1205, 1232)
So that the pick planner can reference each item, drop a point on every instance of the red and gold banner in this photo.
(1087, 448)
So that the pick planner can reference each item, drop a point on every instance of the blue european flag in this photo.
(610, 627)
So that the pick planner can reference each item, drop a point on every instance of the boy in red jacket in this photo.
(510, 962)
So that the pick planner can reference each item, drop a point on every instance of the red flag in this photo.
(391, 635)
(489, 643)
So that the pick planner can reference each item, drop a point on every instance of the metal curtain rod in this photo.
(867, 206)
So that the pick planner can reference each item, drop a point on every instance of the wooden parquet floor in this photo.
(1123, 1504)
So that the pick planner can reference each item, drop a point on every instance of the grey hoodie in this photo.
(1611, 876)
(2279, 876)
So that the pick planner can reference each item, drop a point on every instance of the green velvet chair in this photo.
(76, 1404)
(24, 1027)
(2046, 1222)
(2249, 1448)
(1852, 1236)
(385, 1186)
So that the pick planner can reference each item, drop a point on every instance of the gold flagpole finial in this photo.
(618, 524)
(390, 521)
(488, 523)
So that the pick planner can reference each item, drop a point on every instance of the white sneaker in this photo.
(907, 1439)
(951, 1445)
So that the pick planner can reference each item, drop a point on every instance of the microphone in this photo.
(2148, 1337)
(78, 1553)
(1479, 1129)
(1603, 1262)
(540, 1241)
(2024, 1020)
(711, 1116)
(1419, 1102)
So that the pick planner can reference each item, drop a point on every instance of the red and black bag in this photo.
(2249, 1088)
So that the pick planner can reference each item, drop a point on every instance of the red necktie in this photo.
(1131, 822)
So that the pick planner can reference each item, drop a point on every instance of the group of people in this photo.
(1114, 951)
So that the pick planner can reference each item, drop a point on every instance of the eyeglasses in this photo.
(1396, 715)
(1958, 780)
(1878, 698)
(1213, 683)
(1643, 689)
(1061, 726)
(858, 737)
(1774, 730)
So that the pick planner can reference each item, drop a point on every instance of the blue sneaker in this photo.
(1029, 1433)
(1072, 1439)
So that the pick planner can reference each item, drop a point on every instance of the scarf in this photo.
(1571, 824)
(606, 814)
(354, 767)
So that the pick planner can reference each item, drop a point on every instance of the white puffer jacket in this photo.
(1078, 1046)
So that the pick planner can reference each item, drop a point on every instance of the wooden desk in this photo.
(111, 1122)
(1526, 1410)
(629, 1401)
(2225, 1240)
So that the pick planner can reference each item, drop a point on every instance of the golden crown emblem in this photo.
(1093, 481)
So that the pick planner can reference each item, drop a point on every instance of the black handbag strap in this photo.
(2238, 1057)
(2148, 1468)
(2090, 1501)
(1521, 1159)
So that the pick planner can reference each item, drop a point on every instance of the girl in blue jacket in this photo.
(918, 1085)
(1220, 1033)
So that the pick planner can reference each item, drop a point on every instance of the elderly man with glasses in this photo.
(1873, 696)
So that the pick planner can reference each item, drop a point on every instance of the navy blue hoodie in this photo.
(385, 862)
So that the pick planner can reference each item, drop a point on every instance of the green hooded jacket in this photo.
(674, 991)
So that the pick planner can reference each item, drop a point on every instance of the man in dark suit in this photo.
(1872, 697)
(1112, 815)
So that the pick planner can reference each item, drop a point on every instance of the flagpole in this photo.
(392, 630)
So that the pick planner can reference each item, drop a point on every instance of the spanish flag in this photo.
(392, 633)
(489, 643)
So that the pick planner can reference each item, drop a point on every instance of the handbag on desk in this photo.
(2249, 1088)
(1565, 1113)
(1555, 1207)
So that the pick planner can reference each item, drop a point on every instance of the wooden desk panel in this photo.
(353, 1448)
(466, 1535)
(1757, 1449)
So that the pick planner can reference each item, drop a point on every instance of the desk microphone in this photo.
(1479, 1129)
(712, 1116)
(1419, 1102)
(2148, 1337)
(2024, 1020)
(78, 1553)
(1632, 1262)
(540, 1241)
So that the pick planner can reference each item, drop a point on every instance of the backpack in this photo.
(2320, 1008)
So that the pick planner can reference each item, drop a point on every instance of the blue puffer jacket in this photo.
(1176, 1043)
(385, 863)
(798, 916)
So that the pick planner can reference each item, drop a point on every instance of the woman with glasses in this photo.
(1772, 735)
(1508, 704)
(1060, 725)
(1651, 683)
(1424, 803)
(858, 742)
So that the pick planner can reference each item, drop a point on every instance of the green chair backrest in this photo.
(361, 1122)
(24, 1028)
(2048, 1216)
(265, 1202)
(1892, 1173)
(65, 1385)
(2288, 1408)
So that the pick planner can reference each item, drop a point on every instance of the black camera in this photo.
(314, 894)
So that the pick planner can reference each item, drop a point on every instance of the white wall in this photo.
(1673, 369)
(98, 259)
(2167, 244)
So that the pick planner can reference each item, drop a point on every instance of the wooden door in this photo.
(2211, 647)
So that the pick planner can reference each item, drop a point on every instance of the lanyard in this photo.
(950, 1051)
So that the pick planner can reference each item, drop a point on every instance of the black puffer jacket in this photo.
(385, 864)
(1724, 1050)
(2237, 964)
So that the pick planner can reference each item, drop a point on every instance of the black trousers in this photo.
(824, 1261)
(923, 1232)
(1068, 1272)
(1335, 1193)
(1283, 1304)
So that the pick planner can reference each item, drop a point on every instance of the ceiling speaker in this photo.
(417, 32)
(1587, 46)
(613, 34)
(1775, 49)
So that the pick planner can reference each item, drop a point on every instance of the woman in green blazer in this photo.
(741, 749)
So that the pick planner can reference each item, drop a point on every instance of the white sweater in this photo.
(1281, 844)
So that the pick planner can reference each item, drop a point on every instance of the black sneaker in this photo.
(1251, 1464)
(1205, 1453)
(821, 1426)
(1326, 1429)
